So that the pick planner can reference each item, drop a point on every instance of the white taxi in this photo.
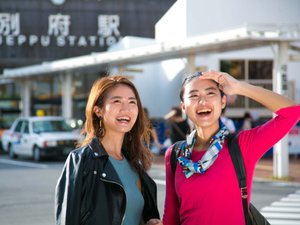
(39, 137)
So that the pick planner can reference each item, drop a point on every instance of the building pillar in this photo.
(191, 64)
(120, 69)
(67, 104)
(280, 150)
(26, 98)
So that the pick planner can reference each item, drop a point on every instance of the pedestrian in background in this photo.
(204, 188)
(177, 125)
(246, 121)
(155, 146)
(104, 181)
(228, 122)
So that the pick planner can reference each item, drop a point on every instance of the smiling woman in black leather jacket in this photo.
(93, 187)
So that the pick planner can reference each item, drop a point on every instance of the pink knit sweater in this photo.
(214, 198)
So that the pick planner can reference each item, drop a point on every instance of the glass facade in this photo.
(82, 84)
(9, 105)
(235, 68)
(257, 72)
(46, 96)
(260, 69)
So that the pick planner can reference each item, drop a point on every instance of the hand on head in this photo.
(226, 83)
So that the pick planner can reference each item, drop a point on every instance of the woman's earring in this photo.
(101, 128)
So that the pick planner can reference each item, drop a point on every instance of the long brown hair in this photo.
(136, 140)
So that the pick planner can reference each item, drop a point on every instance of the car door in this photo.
(16, 137)
(25, 146)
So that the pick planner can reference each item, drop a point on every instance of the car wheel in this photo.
(11, 152)
(36, 154)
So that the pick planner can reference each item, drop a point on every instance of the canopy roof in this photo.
(229, 40)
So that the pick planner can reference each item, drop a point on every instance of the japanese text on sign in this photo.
(59, 34)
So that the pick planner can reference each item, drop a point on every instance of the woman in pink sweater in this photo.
(204, 189)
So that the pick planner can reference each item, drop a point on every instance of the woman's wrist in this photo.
(240, 88)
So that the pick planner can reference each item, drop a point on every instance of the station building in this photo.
(36, 32)
(51, 52)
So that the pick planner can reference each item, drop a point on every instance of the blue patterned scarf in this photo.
(190, 167)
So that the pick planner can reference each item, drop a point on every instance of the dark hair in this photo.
(134, 141)
(247, 115)
(188, 78)
(178, 112)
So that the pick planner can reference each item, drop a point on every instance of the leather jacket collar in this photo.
(96, 194)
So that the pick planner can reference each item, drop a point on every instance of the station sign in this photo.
(58, 33)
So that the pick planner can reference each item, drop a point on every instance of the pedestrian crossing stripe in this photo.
(277, 215)
(294, 196)
(289, 199)
(291, 204)
(283, 222)
(281, 209)
(286, 211)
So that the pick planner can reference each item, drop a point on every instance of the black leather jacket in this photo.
(90, 192)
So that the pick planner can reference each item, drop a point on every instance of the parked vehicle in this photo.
(7, 117)
(38, 137)
(3, 127)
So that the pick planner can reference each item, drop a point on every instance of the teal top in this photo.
(134, 198)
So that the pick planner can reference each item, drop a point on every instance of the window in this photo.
(26, 127)
(260, 70)
(235, 68)
(256, 72)
(10, 91)
(19, 126)
(51, 126)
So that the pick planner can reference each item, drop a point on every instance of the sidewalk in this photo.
(264, 169)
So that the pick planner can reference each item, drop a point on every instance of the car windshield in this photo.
(51, 126)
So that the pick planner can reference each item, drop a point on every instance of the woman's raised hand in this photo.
(226, 83)
(231, 86)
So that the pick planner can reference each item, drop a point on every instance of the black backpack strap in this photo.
(174, 154)
(238, 162)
